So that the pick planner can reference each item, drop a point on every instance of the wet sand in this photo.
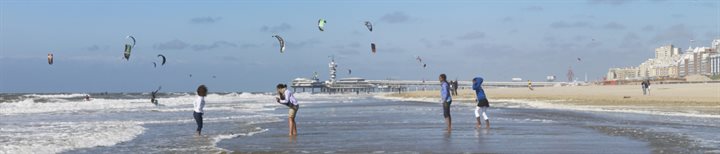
(680, 98)
(380, 126)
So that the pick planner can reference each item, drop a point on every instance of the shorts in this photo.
(483, 103)
(446, 109)
(293, 111)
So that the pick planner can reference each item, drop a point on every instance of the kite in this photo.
(128, 47)
(321, 24)
(282, 43)
(368, 25)
(50, 58)
(163, 59)
(372, 46)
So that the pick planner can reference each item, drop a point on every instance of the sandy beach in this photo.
(672, 98)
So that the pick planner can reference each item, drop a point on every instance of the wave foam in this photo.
(62, 136)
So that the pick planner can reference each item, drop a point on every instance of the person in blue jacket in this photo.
(446, 100)
(482, 103)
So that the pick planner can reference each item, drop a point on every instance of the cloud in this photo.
(171, 45)
(441, 43)
(300, 44)
(427, 43)
(180, 45)
(230, 58)
(205, 20)
(508, 19)
(472, 36)
(630, 40)
(93, 48)
(579, 37)
(593, 44)
(395, 17)
(534, 8)
(214, 45)
(563, 25)
(347, 49)
(677, 15)
(648, 28)
(675, 33)
(498, 52)
(97, 48)
(614, 26)
(446, 43)
(277, 28)
(248, 45)
(609, 2)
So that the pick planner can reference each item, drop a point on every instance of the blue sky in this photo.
(232, 40)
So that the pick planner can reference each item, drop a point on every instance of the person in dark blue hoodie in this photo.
(482, 104)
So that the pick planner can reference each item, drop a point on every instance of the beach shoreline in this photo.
(701, 100)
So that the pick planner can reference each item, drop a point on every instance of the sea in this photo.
(244, 122)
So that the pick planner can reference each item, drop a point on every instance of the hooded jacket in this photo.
(477, 86)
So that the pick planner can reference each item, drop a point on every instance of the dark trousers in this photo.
(446, 109)
(198, 120)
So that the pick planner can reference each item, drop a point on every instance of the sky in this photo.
(231, 40)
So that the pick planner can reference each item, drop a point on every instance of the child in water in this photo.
(198, 107)
(482, 103)
(287, 98)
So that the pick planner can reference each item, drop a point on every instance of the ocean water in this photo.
(341, 123)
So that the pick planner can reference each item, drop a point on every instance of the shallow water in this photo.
(244, 122)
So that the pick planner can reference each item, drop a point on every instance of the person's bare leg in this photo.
(294, 127)
(479, 123)
(448, 121)
(487, 123)
(290, 126)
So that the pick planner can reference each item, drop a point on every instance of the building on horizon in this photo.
(628, 73)
(670, 63)
(715, 65)
(696, 61)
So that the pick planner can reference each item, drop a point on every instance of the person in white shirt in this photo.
(198, 106)
(287, 98)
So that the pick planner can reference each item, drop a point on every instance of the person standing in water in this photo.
(198, 107)
(455, 86)
(446, 100)
(287, 98)
(482, 103)
(153, 95)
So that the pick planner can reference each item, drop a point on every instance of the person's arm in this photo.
(287, 96)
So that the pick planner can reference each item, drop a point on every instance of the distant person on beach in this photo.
(198, 107)
(530, 85)
(482, 103)
(646, 87)
(87, 97)
(455, 87)
(446, 100)
(452, 86)
(287, 98)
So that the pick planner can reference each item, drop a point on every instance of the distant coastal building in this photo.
(671, 63)
(715, 64)
(662, 66)
(696, 61)
(628, 73)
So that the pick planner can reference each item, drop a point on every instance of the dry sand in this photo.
(685, 98)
